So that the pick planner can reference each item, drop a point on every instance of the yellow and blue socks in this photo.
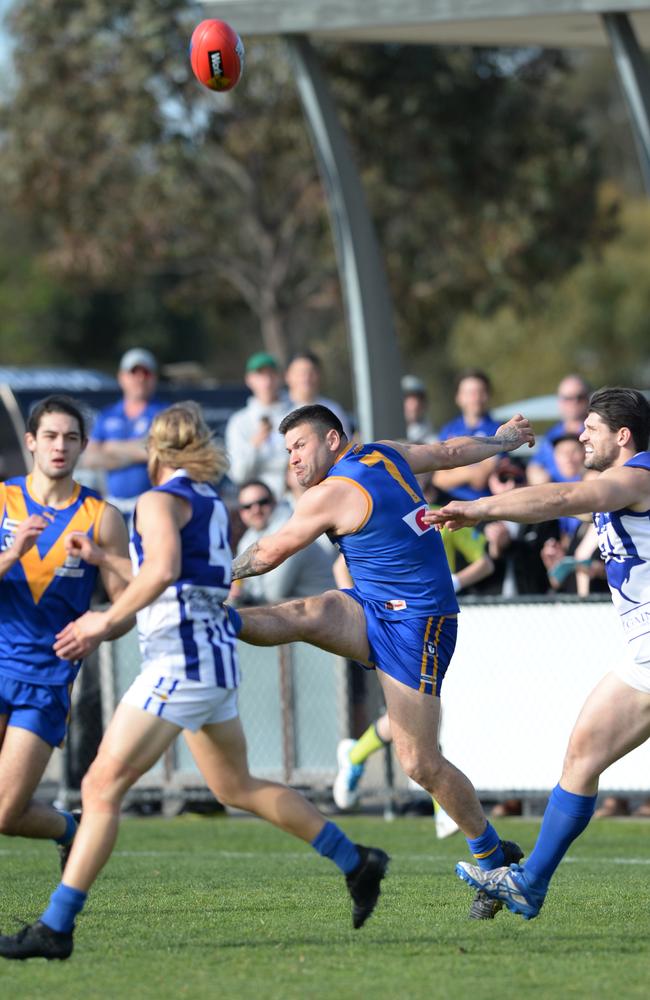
(65, 904)
(565, 818)
(332, 843)
(70, 829)
(367, 744)
(487, 849)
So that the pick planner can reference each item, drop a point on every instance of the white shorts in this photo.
(633, 673)
(188, 704)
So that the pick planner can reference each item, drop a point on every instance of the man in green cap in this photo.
(255, 448)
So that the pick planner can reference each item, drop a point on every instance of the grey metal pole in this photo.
(375, 355)
(634, 74)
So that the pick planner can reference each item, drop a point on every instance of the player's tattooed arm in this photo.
(250, 563)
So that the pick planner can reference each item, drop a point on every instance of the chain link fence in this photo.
(521, 671)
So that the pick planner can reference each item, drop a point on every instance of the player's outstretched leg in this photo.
(219, 750)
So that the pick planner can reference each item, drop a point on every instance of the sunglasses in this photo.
(578, 397)
(262, 502)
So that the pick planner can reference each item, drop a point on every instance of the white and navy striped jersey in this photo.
(624, 542)
(186, 631)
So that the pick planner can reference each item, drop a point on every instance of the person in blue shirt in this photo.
(573, 402)
(117, 442)
(472, 397)
(400, 616)
(44, 585)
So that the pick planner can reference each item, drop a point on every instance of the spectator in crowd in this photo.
(303, 377)
(254, 446)
(516, 548)
(117, 442)
(419, 428)
(473, 389)
(573, 400)
(307, 572)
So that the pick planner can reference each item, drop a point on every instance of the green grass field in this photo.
(226, 907)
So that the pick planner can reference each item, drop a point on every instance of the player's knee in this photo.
(105, 784)
(582, 758)
(425, 769)
(10, 817)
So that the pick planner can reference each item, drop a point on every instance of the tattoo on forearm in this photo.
(248, 563)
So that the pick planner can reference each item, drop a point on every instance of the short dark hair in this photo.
(619, 407)
(261, 484)
(473, 373)
(314, 413)
(56, 403)
(306, 356)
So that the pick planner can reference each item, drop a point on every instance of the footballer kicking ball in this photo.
(216, 55)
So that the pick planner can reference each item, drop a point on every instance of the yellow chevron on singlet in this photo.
(39, 569)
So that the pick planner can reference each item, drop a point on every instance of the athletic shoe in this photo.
(36, 941)
(345, 792)
(484, 908)
(364, 883)
(506, 885)
(64, 849)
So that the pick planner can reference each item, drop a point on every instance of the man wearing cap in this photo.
(117, 442)
(255, 448)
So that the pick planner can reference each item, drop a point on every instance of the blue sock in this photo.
(70, 828)
(65, 904)
(234, 617)
(332, 843)
(487, 849)
(566, 816)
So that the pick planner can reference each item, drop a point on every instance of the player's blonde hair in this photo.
(179, 438)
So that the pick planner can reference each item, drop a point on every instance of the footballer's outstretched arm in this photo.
(312, 516)
(467, 450)
(612, 490)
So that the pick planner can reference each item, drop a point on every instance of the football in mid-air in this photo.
(216, 55)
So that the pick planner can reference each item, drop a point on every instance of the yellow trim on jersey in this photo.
(377, 458)
(40, 570)
(345, 451)
(423, 664)
(76, 490)
(98, 520)
(369, 502)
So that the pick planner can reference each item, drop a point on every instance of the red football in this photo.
(216, 55)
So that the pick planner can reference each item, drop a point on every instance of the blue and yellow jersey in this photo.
(45, 589)
(397, 561)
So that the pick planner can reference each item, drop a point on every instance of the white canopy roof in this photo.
(550, 23)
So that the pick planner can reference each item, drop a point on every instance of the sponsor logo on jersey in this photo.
(415, 520)
(71, 567)
(9, 528)
(398, 604)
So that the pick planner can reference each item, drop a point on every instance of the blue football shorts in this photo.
(41, 708)
(415, 651)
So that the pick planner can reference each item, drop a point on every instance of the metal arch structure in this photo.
(376, 362)
(624, 25)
